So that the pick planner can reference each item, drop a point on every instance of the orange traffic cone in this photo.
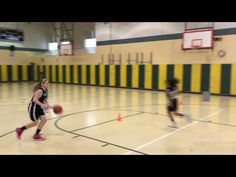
(119, 118)
(180, 102)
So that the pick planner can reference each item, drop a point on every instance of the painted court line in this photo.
(172, 133)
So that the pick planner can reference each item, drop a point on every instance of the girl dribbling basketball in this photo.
(36, 109)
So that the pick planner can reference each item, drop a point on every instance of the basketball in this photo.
(57, 109)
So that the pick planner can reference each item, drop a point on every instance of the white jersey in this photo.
(172, 92)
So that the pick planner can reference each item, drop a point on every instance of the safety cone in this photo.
(180, 102)
(119, 118)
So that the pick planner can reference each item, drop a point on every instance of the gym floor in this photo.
(102, 120)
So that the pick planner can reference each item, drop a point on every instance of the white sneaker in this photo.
(173, 125)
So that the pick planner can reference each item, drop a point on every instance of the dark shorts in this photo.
(35, 111)
(174, 106)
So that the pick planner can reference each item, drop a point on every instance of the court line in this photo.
(61, 116)
(15, 130)
(7, 133)
(165, 115)
(125, 110)
(140, 112)
(105, 142)
(174, 132)
(103, 123)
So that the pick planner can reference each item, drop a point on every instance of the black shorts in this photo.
(173, 106)
(35, 111)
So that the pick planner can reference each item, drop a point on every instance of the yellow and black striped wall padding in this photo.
(194, 78)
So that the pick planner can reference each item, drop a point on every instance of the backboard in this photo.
(66, 49)
(198, 39)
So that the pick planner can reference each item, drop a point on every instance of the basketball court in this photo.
(91, 124)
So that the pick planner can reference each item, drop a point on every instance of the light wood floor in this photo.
(89, 123)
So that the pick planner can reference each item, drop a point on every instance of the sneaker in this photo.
(19, 133)
(173, 125)
(38, 137)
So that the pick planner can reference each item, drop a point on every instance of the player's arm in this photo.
(46, 103)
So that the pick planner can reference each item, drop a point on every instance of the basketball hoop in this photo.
(198, 39)
(66, 49)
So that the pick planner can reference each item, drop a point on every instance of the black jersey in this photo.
(35, 110)
(43, 96)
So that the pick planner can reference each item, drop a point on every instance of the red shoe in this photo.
(38, 137)
(19, 133)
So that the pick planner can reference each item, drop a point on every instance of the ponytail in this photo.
(38, 85)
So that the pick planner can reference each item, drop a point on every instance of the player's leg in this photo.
(184, 115)
(169, 112)
(37, 135)
(179, 114)
(20, 130)
(34, 122)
